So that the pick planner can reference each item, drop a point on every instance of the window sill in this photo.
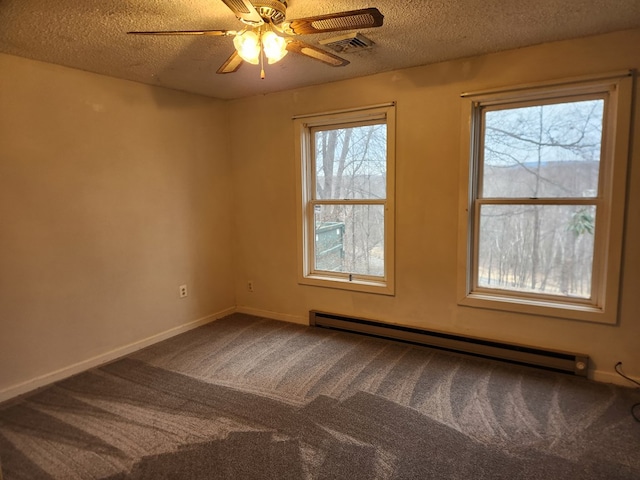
(540, 307)
(365, 286)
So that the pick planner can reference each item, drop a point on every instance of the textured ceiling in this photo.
(90, 35)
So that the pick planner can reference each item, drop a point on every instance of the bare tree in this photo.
(544, 152)
(350, 163)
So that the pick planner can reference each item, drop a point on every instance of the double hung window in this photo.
(544, 202)
(346, 196)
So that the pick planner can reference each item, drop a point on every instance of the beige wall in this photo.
(112, 194)
(428, 163)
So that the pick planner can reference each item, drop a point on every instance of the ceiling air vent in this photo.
(349, 42)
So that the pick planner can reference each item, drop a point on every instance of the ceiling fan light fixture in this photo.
(247, 45)
(265, 20)
(275, 46)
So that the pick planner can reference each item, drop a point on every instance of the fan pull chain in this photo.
(262, 75)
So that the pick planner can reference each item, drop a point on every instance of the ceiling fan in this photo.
(268, 33)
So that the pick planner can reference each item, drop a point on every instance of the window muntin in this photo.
(545, 198)
(346, 162)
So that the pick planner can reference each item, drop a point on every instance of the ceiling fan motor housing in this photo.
(272, 11)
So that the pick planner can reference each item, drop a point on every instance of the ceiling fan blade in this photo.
(316, 53)
(335, 22)
(216, 33)
(233, 63)
(244, 10)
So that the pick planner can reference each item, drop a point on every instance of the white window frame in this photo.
(602, 307)
(303, 126)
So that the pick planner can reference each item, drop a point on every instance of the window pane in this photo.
(351, 163)
(350, 239)
(544, 151)
(537, 248)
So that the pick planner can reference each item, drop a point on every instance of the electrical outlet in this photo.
(183, 291)
(250, 285)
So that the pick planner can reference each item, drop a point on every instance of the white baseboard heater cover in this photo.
(566, 362)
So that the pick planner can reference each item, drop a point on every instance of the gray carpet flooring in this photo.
(251, 398)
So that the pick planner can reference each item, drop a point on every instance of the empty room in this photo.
(276, 239)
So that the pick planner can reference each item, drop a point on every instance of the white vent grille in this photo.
(348, 42)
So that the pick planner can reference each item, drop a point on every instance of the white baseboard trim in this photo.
(613, 377)
(304, 320)
(65, 372)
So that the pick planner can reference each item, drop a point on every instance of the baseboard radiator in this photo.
(565, 362)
